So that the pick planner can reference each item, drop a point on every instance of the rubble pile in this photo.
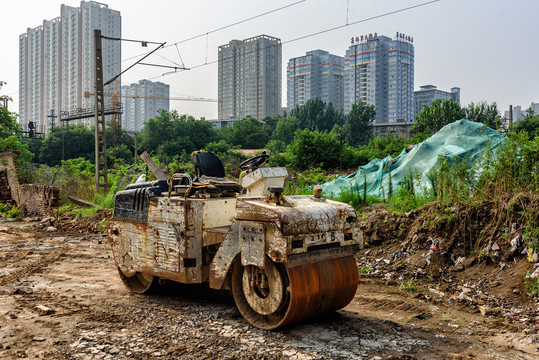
(481, 256)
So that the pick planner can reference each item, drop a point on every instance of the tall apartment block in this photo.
(318, 74)
(250, 78)
(427, 93)
(56, 62)
(379, 71)
(143, 101)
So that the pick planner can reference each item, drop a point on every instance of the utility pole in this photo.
(52, 116)
(100, 125)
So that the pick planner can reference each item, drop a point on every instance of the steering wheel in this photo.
(254, 163)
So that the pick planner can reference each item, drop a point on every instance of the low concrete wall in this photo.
(36, 200)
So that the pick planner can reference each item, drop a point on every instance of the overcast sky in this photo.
(488, 48)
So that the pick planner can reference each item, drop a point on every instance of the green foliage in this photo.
(71, 141)
(382, 146)
(529, 125)
(357, 128)
(409, 286)
(532, 284)
(10, 211)
(440, 113)
(79, 167)
(119, 155)
(317, 115)
(12, 143)
(312, 149)
(285, 130)
(248, 133)
(365, 270)
(174, 134)
(8, 120)
(484, 113)
(513, 167)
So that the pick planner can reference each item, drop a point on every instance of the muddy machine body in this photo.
(284, 258)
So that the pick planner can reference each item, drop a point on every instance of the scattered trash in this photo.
(495, 246)
(43, 310)
(397, 255)
(433, 247)
(487, 310)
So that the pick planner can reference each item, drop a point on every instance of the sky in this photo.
(488, 48)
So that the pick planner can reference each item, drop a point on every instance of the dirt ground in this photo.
(61, 298)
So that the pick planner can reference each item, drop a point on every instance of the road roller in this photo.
(284, 258)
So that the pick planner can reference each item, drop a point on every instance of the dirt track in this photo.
(61, 298)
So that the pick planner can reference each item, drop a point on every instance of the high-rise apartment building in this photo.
(56, 62)
(318, 74)
(250, 78)
(143, 101)
(379, 71)
(427, 93)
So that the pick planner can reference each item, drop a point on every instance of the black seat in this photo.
(206, 163)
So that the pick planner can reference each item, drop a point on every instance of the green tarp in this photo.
(460, 140)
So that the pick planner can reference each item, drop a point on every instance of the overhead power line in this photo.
(318, 33)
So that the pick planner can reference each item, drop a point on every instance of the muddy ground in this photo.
(61, 298)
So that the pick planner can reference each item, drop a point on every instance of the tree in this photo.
(528, 124)
(176, 134)
(8, 120)
(439, 113)
(484, 113)
(317, 115)
(248, 133)
(312, 149)
(71, 141)
(357, 127)
(285, 129)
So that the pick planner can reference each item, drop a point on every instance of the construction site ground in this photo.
(61, 298)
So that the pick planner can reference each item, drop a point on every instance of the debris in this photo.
(433, 247)
(487, 310)
(495, 246)
(51, 229)
(420, 316)
(25, 290)
(460, 260)
(39, 339)
(397, 255)
(515, 243)
(77, 201)
(43, 310)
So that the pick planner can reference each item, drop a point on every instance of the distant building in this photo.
(143, 101)
(519, 113)
(249, 83)
(427, 93)
(379, 71)
(56, 62)
(318, 74)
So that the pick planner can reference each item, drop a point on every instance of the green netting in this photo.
(460, 140)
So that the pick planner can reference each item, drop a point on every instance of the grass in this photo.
(409, 286)
(532, 284)
(365, 270)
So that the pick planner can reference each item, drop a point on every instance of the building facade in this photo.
(318, 74)
(379, 71)
(56, 62)
(249, 78)
(519, 113)
(143, 101)
(427, 93)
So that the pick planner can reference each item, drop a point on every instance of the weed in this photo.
(9, 211)
(409, 286)
(365, 270)
(532, 284)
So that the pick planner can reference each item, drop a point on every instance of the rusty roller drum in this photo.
(275, 296)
